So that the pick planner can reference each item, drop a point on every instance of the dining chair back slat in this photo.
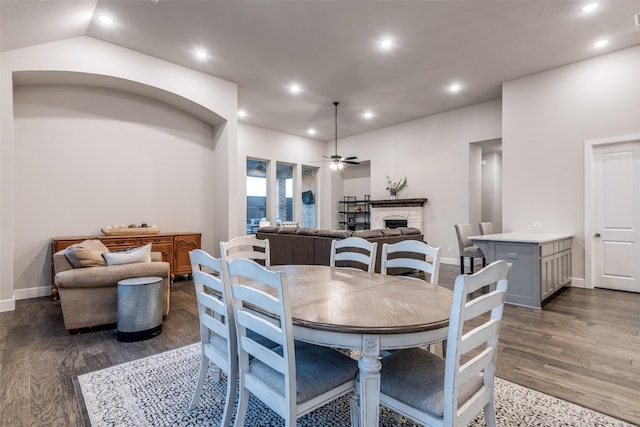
(248, 247)
(354, 249)
(396, 255)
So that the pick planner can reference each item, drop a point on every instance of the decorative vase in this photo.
(392, 194)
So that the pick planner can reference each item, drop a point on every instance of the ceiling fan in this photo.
(337, 161)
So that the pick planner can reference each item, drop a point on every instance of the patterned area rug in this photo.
(157, 390)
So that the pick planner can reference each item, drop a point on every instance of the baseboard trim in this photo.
(7, 305)
(456, 261)
(40, 291)
(452, 261)
(578, 283)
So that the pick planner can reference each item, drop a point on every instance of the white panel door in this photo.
(616, 175)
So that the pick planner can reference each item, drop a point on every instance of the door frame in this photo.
(589, 147)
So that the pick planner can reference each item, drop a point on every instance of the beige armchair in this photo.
(89, 295)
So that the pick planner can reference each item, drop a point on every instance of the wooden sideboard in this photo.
(175, 248)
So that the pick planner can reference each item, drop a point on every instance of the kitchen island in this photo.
(540, 263)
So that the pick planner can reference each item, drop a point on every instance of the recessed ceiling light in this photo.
(589, 7)
(311, 131)
(201, 54)
(107, 20)
(455, 87)
(242, 113)
(386, 44)
(295, 88)
(368, 115)
(601, 43)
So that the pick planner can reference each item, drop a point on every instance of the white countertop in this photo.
(521, 237)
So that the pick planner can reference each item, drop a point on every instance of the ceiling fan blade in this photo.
(350, 158)
(349, 162)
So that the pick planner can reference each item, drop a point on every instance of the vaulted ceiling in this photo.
(331, 49)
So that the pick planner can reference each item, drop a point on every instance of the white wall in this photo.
(213, 96)
(433, 153)
(546, 119)
(87, 157)
(357, 180)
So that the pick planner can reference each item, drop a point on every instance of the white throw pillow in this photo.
(141, 254)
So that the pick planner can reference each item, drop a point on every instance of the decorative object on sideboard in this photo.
(394, 187)
(132, 229)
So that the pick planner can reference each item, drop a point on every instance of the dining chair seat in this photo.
(472, 251)
(417, 369)
(318, 370)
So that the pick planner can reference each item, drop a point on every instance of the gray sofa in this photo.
(307, 246)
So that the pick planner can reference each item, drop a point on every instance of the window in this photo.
(256, 194)
(309, 196)
(284, 192)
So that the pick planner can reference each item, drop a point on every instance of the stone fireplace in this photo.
(392, 213)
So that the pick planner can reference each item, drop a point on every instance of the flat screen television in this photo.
(307, 198)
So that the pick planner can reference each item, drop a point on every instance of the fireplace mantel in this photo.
(393, 203)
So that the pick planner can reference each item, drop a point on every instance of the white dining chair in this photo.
(439, 391)
(354, 249)
(248, 247)
(397, 255)
(217, 328)
(292, 379)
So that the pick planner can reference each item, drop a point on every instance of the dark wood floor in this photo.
(584, 346)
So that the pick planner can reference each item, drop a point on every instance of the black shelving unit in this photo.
(355, 213)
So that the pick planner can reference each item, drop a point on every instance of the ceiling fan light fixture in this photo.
(336, 161)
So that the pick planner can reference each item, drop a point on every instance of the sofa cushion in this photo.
(368, 234)
(287, 230)
(268, 229)
(335, 233)
(141, 254)
(409, 230)
(307, 231)
(391, 232)
(86, 254)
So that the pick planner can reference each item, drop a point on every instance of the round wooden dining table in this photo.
(352, 309)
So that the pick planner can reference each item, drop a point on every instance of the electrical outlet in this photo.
(537, 224)
(449, 249)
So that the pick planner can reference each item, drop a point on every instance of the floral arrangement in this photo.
(394, 187)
